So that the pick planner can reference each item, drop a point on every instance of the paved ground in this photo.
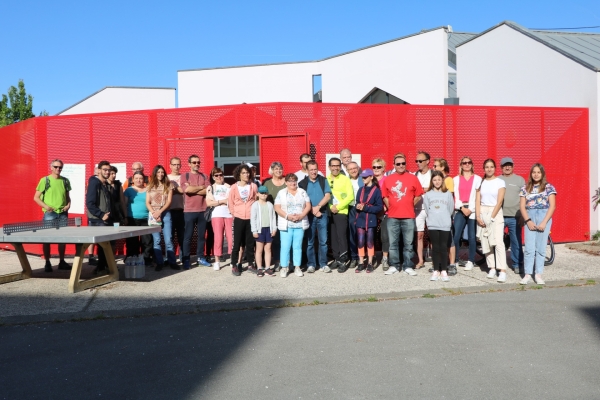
(45, 297)
(515, 344)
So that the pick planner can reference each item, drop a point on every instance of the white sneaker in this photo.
(525, 280)
(284, 272)
(445, 278)
(310, 270)
(391, 271)
(468, 266)
(502, 277)
(435, 276)
(298, 271)
(217, 266)
(325, 269)
(492, 273)
(410, 272)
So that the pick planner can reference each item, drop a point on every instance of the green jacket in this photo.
(342, 192)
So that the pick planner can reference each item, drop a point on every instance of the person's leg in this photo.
(250, 243)
(511, 224)
(361, 238)
(335, 247)
(420, 224)
(298, 235)
(268, 247)
(434, 236)
(352, 242)
(178, 230)
(229, 234)
(238, 235)
(311, 233)
(408, 227)
(393, 228)
(500, 247)
(48, 216)
(322, 225)
(472, 239)
(145, 241)
(341, 231)
(286, 245)
(541, 240)
(370, 244)
(201, 235)
(444, 239)
(460, 221)
(158, 256)
(190, 221)
(210, 239)
(259, 251)
(218, 227)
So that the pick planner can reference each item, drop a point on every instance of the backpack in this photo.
(62, 178)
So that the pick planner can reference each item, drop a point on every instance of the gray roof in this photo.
(581, 47)
(453, 39)
(112, 87)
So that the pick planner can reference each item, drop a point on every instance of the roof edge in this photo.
(534, 35)
(111, 87)
(323, 59)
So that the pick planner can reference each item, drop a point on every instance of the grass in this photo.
(569, 284)
(429, 296)
(316, 302)
(590, 282)
(537, 287)
(372, 299)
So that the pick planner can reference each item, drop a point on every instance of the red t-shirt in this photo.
(193, 202)
(401, 190)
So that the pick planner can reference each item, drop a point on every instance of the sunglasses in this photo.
(57, 166)
(467, 163)
(217, 175)
(194, 162)
(420, 161)
(400, 163)
(377, 167)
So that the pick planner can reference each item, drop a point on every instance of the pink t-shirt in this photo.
(193, 202)
(464, 188)
(177, 200)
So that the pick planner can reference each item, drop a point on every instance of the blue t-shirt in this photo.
(136, 204)
(314, 191)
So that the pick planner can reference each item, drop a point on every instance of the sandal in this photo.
(419, 266)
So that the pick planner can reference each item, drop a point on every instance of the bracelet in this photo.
(527, 220)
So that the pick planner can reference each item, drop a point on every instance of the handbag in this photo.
(209, 211)
(152, 221)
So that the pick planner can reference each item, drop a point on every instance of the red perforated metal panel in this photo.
(285, 130)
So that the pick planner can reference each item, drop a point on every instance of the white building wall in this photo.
(112, 99)
(506, 68)
(413, 69)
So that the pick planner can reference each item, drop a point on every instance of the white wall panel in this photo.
(124, 99)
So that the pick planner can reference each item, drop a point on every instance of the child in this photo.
(264, 226)
(368, 204)
(438, 205)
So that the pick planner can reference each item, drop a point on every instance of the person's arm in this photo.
(316, 210)
(377, 205)
(210, 198)
(254, 220)
(273, 220)
(344, 203)
(199, 190)
(478, 208)
(417, 199)
(90, 200)
(425, 205)
(306, 209)
(528, 222)
(549, 213)
(38, 200)
(280, 211)
(230, 199)
(498, 207)
(68, 198)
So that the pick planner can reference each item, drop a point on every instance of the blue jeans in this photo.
(62, 217)
(535, 243)
(317, 226)
(460, 221)
(191, 219)
(291, 238)
(101, 256)
(166, 231)
(406, 227)
(516, 248)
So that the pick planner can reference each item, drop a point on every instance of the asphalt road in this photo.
(530, 344)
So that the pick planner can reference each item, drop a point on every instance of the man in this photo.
(193, 186)
(135, 167)
(346, 157)
(342, 195)
(319, 193)
(176, 207)
(401, 191)
(52, 194)
(424, 175)
(303, 172)
(98, 201)
(511, 211)
(357, 183)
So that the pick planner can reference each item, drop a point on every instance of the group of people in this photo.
(289, 219)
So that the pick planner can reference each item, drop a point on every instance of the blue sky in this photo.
(67, 50)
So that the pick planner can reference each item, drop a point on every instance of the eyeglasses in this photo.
(57, 166)
(467, 163)
(105, 169)
(377, 167)
(420, 161)
(194, 162)
(291, 182)
(217, 175)
(176, 165)
(400, 163)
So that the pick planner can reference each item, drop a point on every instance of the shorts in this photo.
(420, 220)
(51, 216)
(265, 235)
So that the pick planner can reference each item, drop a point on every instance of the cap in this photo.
(506, 160)
(263, 189)
(367, 172)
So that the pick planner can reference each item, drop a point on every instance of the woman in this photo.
(538, 203)
(464, 205)
(239, 201)
(378, 166)
(368, 204)
(137, 215)
(439, 206)
(490, 220)
(275, 184)
(221, 219)
(158, 200)
(440, 164)
(292, 204)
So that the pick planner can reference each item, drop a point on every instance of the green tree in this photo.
(18, 106)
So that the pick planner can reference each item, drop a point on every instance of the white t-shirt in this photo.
(301, 174)
(355, 187)
(220, 192)
(489, 191)
(294, 204)
(424, 180)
